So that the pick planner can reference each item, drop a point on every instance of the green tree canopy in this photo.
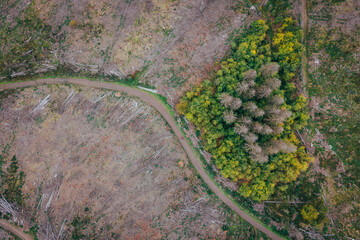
(248, 113)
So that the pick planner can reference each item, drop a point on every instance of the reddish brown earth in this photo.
(14, 230)
(146, 97)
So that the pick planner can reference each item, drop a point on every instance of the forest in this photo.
(249, 113)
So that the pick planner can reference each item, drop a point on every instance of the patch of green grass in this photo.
(12, 180)
(33, 231)
(79, 224)
(39, 120)
(25, 45)
(236, 228)
(174, 76)
(66, 71)
(334, 82)
(166, 31)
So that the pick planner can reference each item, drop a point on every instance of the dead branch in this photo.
(49, 201)
(41, 104)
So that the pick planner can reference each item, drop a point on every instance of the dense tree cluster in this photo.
(248, 114)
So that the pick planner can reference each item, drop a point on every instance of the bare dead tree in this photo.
(250, 106)
(260, 158)
(269, 69)
(275, 100)
(266, 130)
(278, 129)
(253, 148)
(272, 110)
(273, 83)
(240, 129)
(249, 93)
(278, 118)
(263, 91)
(270, 149)
(242, 88)
(287, 147)
(245, 120)
(257, 127)
(226, 99)
(236, 103)
(250, 83)
(276, 146)
(250, 75)
(250, 137)
(258, 113)
(273, 119)
(286, 114)
(229, 116)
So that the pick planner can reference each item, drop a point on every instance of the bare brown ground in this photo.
(109, 154)
(175, 43)
(14, 230)
(162, 110)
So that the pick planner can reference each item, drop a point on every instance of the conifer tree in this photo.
(250, 137)
(240, 129)
(263, 91)
(275, 100)
(273, 83)
(278, 129)
(253, 148)
(226, 99)
(257, 127)
(250, 106)
(245, 120)
(242, 88)
(236, 103)
(258, 113)
(266, 130)
(269, 69)
(229, 117)
(249, 75)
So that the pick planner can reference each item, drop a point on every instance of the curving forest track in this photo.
(160, 107)
(15, 230)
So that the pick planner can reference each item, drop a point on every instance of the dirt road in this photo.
(15, 230)
(146, 97)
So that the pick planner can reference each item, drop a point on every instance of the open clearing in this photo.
(102, 164)
(172, 44)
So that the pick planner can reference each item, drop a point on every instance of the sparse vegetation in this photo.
(141, 152)
(333, 70)
(24, 45)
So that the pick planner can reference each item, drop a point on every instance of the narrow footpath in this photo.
(160, 107)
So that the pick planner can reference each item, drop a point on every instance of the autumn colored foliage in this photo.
(249, 112)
